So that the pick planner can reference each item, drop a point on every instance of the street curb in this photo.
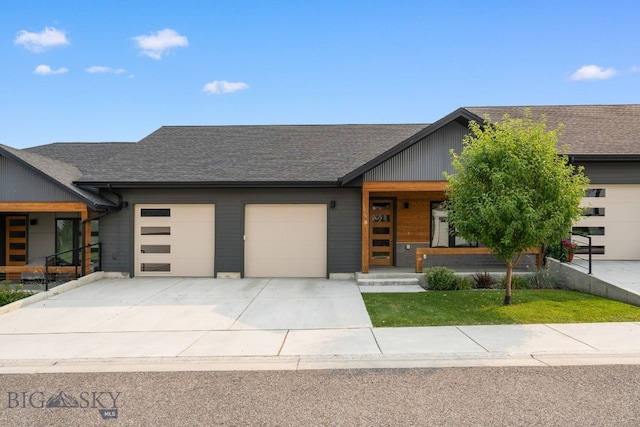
(305, 363)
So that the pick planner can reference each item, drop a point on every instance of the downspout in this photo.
(102, 215)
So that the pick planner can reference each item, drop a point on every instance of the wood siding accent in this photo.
(414, 223)
(405, 186)
(42, 207)
(420, 252)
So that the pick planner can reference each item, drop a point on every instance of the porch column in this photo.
(86, 241)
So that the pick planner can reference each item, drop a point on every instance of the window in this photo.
(593, 212)
(590, 231)
(68, 239)
(155, 266)
(155, 231)
(595, 250)
(155, 249)
(155, 212)
(441, 233)
(596, 192)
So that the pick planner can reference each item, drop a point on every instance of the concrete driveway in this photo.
(189, 317)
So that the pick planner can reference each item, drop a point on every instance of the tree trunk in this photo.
(507, 285)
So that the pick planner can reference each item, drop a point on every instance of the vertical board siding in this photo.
(18, 184)
(425, 160)
(613, 173)
(343, 223)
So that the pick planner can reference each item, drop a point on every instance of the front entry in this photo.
(381, 232)
(16, 243)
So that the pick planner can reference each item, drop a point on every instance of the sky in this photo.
(103, 71)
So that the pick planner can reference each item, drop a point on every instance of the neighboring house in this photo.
(305, 201)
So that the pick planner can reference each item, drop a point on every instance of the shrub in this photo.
(484, 281)
(8, 295)
(463, 284)
(541, 279)
(517, 282)
(440, 278)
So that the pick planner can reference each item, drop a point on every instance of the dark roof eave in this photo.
(210, 184)
(461, 115)
(601, 158)
(90, 203)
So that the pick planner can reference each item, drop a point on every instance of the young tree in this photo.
(512, 189)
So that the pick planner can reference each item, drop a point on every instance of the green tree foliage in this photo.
(512, 189)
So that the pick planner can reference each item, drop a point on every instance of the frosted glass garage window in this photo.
(155, 266)
(155, 249)
(155, 231)
(155, 212)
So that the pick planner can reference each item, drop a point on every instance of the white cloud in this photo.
(45, 70)
(100, 69)
(156, 45)
(45, 39)
(593, 72)
(221, 86)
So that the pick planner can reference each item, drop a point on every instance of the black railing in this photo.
(589, 252)
(61, 259)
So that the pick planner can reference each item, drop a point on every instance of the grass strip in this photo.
(445, 308)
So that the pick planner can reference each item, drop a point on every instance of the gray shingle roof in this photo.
(308, 154)
(86, 156)
(233, 154)
(588, 129)
(62, 173)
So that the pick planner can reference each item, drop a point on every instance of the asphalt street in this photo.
(495, 396)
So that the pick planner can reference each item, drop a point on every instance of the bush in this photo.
(463, 284)
(8, 295)
(484, 281)
(445, 279)
(517, 282)
(541, 279)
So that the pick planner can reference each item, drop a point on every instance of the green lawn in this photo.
(485, 308)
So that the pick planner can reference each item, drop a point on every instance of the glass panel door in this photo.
(68, 239)
(381, 231)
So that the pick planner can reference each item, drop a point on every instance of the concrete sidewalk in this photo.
(215, 324)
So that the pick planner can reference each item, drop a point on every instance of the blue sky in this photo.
(118, 70)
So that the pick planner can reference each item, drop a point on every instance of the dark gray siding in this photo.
(613, 172)
(424, 160)
(19, 184)
(344, 233)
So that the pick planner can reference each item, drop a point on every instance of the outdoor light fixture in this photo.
(333, 204)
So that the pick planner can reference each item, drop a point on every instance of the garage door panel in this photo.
(285, 240)
(179, 243)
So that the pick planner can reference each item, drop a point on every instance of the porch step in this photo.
(387, 279)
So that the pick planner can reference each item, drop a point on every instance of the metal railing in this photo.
(58, 263)
(581, 244)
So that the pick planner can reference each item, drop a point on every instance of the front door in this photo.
(16, 243)
(381, 231)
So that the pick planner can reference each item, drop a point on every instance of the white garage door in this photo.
(174, 240)
(613, 222)
(285, 241)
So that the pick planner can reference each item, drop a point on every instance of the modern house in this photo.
(302, 201)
